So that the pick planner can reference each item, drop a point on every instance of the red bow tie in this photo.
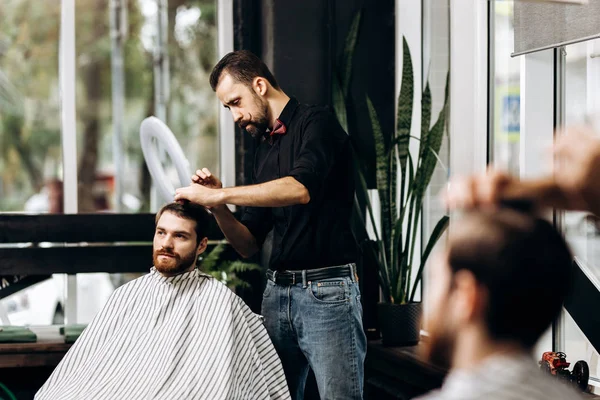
(279, 128)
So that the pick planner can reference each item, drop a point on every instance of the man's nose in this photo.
(237, 116)
(167, 242)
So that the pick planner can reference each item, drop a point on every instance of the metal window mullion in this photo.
(161, 84)
(118, 24)
(491, 78)
(226, 125)
(558, 326)
(67, 80)
(469, 87)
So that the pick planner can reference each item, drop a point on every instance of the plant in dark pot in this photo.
(402, 177)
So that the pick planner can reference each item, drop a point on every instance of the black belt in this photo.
(293, 277)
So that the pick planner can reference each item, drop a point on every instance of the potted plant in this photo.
(399, 314)
(402, 177)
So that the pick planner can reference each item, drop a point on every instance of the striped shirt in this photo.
(503, 377)
(181, 337)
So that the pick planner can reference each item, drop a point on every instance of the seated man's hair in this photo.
(191, 211)
(524, 264)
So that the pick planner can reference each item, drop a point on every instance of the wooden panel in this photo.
(21, 228)
(76, 228)
(40, 261)
(47, 352)
(42, 346)
(398, 372)
(37, 359)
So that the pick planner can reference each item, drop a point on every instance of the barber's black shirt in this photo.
(314, 150)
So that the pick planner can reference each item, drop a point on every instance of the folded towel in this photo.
(72, 332)
(16, 334)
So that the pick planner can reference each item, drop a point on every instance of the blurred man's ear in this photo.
(202, 246)
(468, 297)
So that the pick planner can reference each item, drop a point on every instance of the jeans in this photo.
(318, 324)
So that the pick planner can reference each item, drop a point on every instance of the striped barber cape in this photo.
(181, 337)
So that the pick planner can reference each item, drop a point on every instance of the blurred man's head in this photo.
(243, 83)
(180, 237)
(503, 277)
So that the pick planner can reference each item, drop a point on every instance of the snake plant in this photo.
(401, 177)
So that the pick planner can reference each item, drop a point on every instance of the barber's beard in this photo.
(259, 123)
(175, 264)
(439, 349)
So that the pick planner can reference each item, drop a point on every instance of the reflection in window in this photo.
(436, 62)
(191, 107)
(30, 141)
(582, 106)
(30, 151)
(504, 90)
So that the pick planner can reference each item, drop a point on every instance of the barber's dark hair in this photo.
(243, 66)
(189, 211)
(524, 264)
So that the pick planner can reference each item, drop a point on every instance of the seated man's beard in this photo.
(174, 264)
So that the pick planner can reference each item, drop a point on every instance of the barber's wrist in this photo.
(590, 199)
(224, 195)
(568, 196)
(221, 208)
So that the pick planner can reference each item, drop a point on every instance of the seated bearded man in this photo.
(175, 333)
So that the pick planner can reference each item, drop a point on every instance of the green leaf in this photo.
(339, 103)
(425, 120)
(405, 107)
(348, 55)
(411, 255)
(381, 169)
(212, 261)
(411, 178)
(430, 158)
(384, 280)
(408, 209)
(382, 262)
(435, 143)
(402, 138)
(393, 185)
(437, 233)
(239, 266)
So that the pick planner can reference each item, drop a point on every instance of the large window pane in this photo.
(30, 152)
(436, 62)
(582, 105)
(190, 104)
(504, 89)
(30, 142)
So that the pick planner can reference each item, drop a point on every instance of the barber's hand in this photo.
(578, 174)
(205, 178)
(478, 191)
(201, 195)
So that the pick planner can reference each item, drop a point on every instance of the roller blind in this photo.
(544, 25)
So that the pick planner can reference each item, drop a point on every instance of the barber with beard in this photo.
(303, 190)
